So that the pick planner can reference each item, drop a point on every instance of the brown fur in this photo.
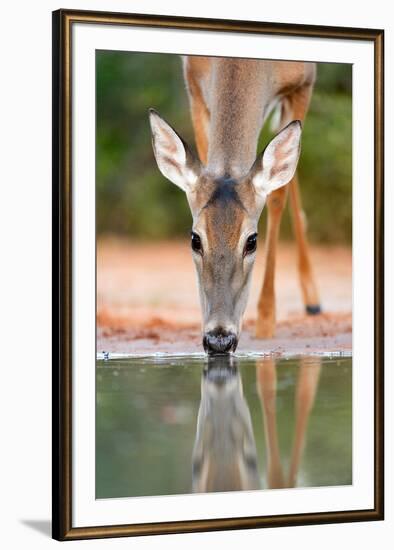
(223, 203)
(230, 99)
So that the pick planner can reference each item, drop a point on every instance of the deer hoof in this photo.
(313, 310)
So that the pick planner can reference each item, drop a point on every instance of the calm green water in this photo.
(181, 425)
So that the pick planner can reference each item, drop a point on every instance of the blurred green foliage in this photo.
(134, 199)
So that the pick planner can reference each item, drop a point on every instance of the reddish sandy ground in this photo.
(147, 300)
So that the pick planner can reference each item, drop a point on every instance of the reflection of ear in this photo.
(172, 154)
(277, 164)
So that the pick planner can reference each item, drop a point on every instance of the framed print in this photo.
(217, 356)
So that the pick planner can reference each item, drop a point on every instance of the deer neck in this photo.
(239, 98)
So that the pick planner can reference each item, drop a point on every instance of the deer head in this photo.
(225, 212)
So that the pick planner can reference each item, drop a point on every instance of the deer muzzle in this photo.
(219, 341)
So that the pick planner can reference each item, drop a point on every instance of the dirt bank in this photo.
(147, 300)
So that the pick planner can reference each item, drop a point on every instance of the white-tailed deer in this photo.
(228, 186)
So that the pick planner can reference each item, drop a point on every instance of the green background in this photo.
(135, 200)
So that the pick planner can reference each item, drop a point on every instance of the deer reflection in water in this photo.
(224, 454)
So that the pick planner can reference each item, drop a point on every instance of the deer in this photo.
(228, 184)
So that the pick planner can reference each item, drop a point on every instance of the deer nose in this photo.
(219, 341)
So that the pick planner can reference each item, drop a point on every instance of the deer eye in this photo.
(196, 243)
(251, 244)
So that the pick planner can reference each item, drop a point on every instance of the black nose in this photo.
(219, 341)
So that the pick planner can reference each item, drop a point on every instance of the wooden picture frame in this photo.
(63, 22)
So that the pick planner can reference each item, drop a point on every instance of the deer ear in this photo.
(277, 164)
(172, 154)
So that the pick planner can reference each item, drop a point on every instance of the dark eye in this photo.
(196, 243)
(251, 244)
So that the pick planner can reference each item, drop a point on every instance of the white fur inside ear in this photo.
(170, 153)
(279, 161)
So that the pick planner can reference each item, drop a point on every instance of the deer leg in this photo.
(199, 113)
(266, 313)
(308, 286)
(296, 107)
(200, 118)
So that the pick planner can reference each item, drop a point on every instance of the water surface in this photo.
(176, 425)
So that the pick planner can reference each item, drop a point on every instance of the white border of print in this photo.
(87, 511)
